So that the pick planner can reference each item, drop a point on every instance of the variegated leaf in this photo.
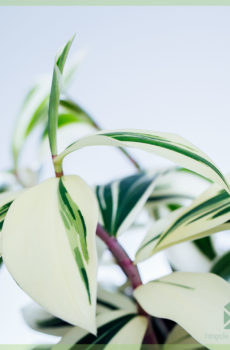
(122, 200)
(208, 214)
(170, 146)
(113, 328)
(195, 301)
(48, 246)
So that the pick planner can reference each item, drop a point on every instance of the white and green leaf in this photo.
(208, 214)
(196, 301)
(170, 146)
(122, 200)
(113, 328)
(48, 246)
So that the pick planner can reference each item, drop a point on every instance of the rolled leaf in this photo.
(48, 246)
(170, 146)
(208, 214)
(198, 302)
(116, 327)
(120, 201)
(55, 96)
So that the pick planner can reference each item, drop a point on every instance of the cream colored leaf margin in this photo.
(196, 301)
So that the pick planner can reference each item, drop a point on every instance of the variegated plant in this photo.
(49, 231)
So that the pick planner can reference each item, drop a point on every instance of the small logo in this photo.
(227, 316)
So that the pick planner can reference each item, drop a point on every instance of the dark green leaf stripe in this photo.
(222, 267)
(168, 197)
(173, 284)
(107, 304)
(164, 143)
(3, 211)
(52, 322)
(75, 229)
(118, 198)
(105, 333)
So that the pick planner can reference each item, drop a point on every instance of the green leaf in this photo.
(49, 231)
(116, 327)
(221, 266)
(208, 214)
(196, 301)
(120, 201)
(70, 113)
(170, 146)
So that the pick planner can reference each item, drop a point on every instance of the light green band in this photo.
(115, 2)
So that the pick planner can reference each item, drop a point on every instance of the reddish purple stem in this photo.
(130, 271)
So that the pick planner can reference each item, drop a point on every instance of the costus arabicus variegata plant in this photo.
(54, 233)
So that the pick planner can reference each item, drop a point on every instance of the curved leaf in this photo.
(196, 301)
(170, 146)
(48, 246)
(208, 214)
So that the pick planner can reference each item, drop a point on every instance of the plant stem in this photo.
(57, 167)
(130, 271)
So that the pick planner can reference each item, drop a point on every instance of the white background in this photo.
(160, 68)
